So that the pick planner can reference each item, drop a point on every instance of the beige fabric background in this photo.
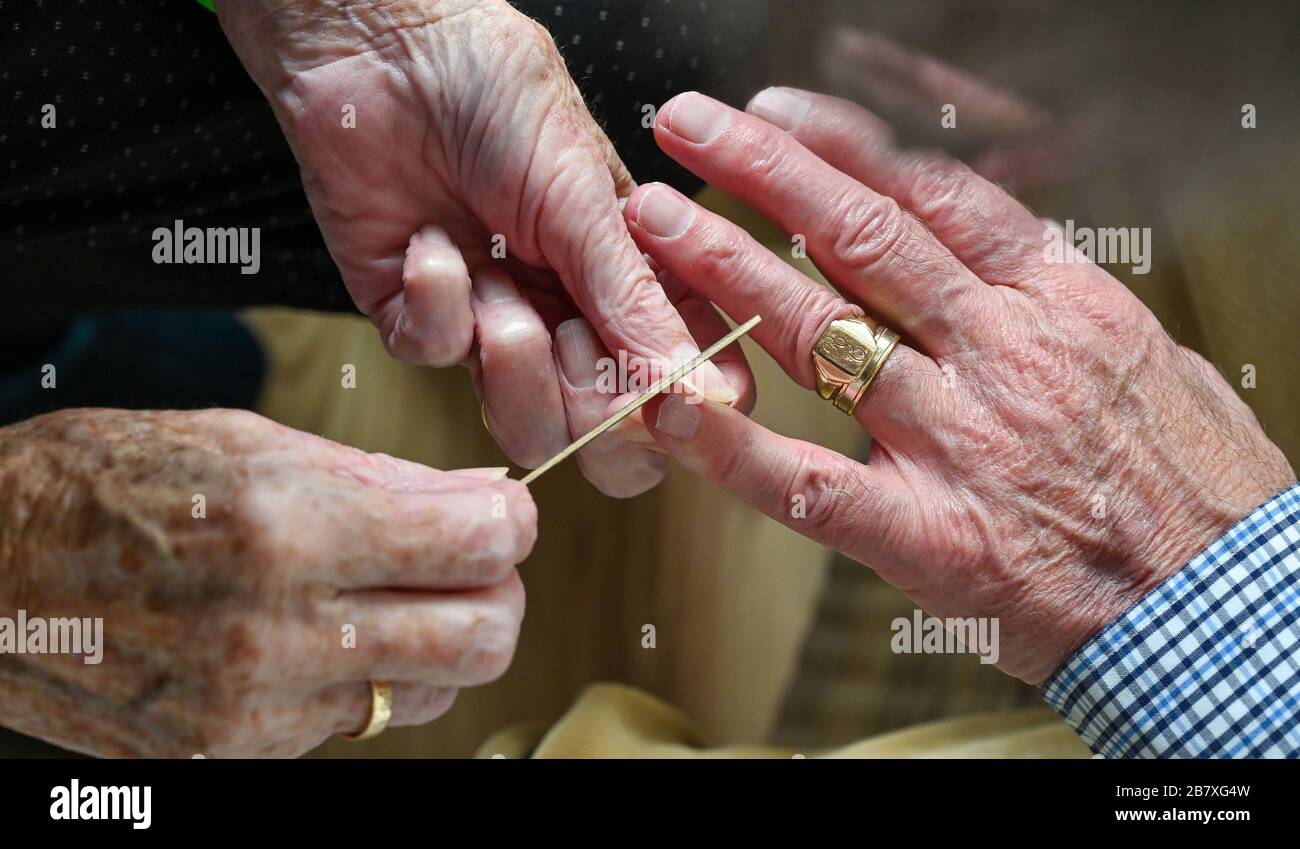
(611, 721)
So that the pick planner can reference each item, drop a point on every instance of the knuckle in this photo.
(935, 185)
(494, 561)
(531, 43)
(261, 542)
(541, 35)
(502, 341)
(821, 489)
(494, 543)
(720, 253)
(438, 269)
(233, 419)
(765, 154)
(642, 296)
(869, 231)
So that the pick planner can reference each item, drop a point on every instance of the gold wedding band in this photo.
(848, 357)
(381, 711)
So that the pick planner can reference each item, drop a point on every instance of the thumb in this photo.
(583, 236)
(624, 184)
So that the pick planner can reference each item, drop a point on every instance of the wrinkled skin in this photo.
(467, 128)
(224, 635)
(1043, 452)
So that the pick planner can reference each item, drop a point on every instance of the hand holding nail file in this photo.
(644, 399)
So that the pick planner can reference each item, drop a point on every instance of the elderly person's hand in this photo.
(456, 121)
(1042, 451)
(252, 581)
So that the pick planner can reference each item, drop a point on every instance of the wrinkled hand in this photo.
(1043, 452)
(227, 633)
(468, 129)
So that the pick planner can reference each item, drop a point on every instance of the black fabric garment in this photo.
(157, 121)
(138, 360)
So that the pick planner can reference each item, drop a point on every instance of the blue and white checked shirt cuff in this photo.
(1208, 664)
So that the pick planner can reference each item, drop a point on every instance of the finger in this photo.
(382, 471)
(868, 513)
(403, 476)
(582, 236)
(991, 232)
(428, 321)
(724, 264)
(919, 86)
(347, 707)
(441, 639)
(577, 106)
(247, 433)
(360, 538)
(624, 185)
(862, 240)
(707, 327)
(521, 391)
(1043, 159)
(616, 466)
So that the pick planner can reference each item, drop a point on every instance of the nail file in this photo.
(643, 399)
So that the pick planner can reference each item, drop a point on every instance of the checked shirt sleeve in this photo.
(1208, 664)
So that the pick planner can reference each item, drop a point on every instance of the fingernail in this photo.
(487, 473)
(707, 380)
(677, 418)
(632, 429)
(492, 286)
(696, 118)
(664, 213)
(579, 354)
(716, 387)
(780, 106)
